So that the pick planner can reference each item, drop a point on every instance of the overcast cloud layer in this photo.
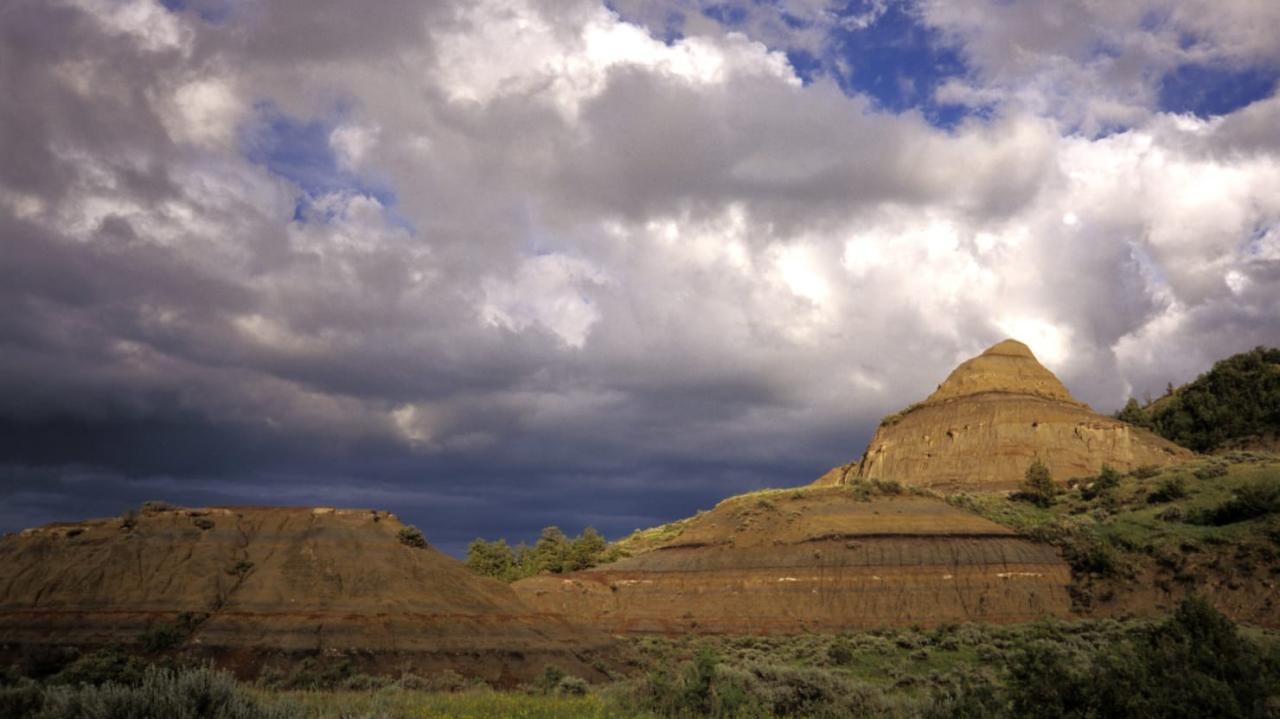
(494, 265)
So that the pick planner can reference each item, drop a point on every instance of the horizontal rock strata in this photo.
(816, 560)
(256, 579)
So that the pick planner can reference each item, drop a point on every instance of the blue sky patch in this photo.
(896, 60)
(1207, 90)
(213, 11)
(299, 150)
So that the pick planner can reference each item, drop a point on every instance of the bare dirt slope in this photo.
(270, 580)
(816, 559)
(992, 417)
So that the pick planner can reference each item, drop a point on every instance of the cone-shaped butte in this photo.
(992, 417)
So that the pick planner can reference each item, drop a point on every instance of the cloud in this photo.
(501, 265)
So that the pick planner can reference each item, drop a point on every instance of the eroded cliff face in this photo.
(270, 579)
(991, 418)
(817, 559)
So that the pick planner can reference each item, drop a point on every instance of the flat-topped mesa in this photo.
(249, 584)
(990, 419)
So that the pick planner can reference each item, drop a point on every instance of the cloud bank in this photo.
(496, 265)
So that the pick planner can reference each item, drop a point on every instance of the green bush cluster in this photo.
(1238, 398)
(553, 552)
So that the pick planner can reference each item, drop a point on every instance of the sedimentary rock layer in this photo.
(991, 418)
(264, 579)
(817, 559)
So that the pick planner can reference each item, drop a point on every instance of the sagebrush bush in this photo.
(411, 536)
(188, 694)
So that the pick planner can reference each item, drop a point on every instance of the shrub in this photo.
(128, 520)
(572, 686)
(1107, 480)
(1146, 471)
(887, 486)
(200, 692)
(156, 505)
(840, 652)
(1168, 490)
(1037, 486)
(411, 536)
(363, 683)
(105, 665)
(240, 568)
(1210, 471)
(24, 699)
(203, 523)
(551, 677)
(1088, 555)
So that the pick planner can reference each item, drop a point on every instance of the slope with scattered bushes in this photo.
(1234, 405)
(1140, 541)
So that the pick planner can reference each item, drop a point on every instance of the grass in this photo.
(474, 704)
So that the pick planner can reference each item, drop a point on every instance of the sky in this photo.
(495, 265)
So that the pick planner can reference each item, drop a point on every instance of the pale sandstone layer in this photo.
(992, 417)
(814, 560)
(272, 580)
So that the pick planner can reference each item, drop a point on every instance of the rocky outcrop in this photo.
(255, 580)
(992, 417)
(817, 559)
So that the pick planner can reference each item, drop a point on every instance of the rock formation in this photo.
(992, 417)
(813, 559)
(261, 581)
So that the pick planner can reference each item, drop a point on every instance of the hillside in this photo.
(813, 559)
(1234, 405)
(254, 586)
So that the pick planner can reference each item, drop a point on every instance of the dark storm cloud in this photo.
(498, 265)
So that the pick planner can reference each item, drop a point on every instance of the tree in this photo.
(1037, 486)
(1133, 414)
(586, 550)
(551, 552)
(492, 559)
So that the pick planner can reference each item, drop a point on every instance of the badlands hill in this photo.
(242, 585)
(990, 419)
(813, 559)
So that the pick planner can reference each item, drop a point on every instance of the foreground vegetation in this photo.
(1095, 668)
